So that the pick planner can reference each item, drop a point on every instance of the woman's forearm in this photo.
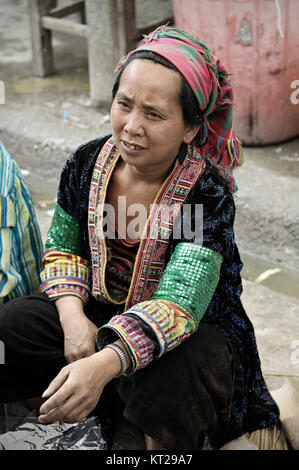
(69, 306)
(79, 332)
(71, 312)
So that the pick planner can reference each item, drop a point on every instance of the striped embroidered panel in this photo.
(65, 271)
(65, 274)
(139, 347)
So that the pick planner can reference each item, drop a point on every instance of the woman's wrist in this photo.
(121, 355)
(113, 362)
(120, 343)
(109, 363)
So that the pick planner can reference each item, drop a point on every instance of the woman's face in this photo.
(146, 116)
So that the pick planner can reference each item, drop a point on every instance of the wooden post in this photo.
(106, 45)
(42, 55)
(130, 24)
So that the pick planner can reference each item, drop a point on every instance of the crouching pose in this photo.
(146, 308)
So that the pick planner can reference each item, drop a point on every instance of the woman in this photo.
(161, 300)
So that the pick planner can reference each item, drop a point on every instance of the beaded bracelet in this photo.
(122, 357)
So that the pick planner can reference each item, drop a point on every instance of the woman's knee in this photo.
(26, 317)
(8, 311)
(31, 332)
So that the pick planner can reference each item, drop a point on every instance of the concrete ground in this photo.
(44, 119)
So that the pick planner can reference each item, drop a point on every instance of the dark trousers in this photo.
(33, 341)
(33, 346)
(176, 399)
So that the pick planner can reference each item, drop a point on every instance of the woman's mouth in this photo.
(131, 147)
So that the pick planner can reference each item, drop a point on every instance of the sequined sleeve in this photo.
(65, 271)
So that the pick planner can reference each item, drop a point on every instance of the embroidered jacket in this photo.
(177, 281)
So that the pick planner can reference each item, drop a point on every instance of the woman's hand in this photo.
(79, 332)
(75, 391)
(79, 338)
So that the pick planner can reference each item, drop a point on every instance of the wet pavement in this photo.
(44, 119)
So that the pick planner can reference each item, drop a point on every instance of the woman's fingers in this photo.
(70, 411)
(73, 409)
(57, 392)
(74, 393)
(58, 406)
(69, 394)
(75, 414)
(56, 383)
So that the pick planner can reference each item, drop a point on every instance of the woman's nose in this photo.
(134, 124)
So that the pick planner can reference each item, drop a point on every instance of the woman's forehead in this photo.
(150, 78)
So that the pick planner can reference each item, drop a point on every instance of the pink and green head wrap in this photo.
(208, 80)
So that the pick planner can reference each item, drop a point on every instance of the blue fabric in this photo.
(21, 246)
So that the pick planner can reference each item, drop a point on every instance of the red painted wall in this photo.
(257, 41)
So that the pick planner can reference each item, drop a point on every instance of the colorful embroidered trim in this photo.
(65, 274)
(105, 163)
(169, 322)
(139, 347)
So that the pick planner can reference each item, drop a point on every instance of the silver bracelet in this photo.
(122, 357)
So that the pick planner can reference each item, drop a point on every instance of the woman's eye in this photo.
(154, 114)
(123, 104)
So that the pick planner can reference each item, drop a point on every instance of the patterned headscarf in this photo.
(209, 81)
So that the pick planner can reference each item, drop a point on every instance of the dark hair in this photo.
(191, 114)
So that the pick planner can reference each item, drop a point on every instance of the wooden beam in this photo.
(63, 26)
(68, 10)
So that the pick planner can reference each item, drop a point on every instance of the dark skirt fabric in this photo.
(177, 400)
(33, 338)
(34, 347)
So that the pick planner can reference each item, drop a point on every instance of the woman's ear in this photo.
(190, 133)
